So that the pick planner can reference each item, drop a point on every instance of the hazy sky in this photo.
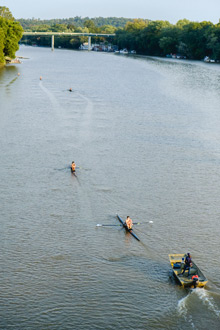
(171, 10)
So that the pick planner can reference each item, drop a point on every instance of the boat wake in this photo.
(51, 97)
(183, 310)
(183, 307)
(86, 116)
(11, 82)
(207, 300)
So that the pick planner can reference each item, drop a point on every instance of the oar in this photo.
(102, 225)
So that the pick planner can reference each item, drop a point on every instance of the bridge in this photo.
(52, 34)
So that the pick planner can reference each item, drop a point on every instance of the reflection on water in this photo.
(144, 134)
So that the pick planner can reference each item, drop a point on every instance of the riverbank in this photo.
(10, 60)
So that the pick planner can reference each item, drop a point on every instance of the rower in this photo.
(129, 222)
(73, 167)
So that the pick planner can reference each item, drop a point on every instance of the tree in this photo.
(71, 27)
(195, 36)
(5, 13)
(91, 26)
(14, 34)
(58, 28)
(136, 25)
(180, 24)
(150, 36)
(168, 41)
(42, 28)
(10, 34)
(2, 35)
(213, 42)
(108, 29)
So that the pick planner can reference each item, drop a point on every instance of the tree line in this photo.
(30, 24)
(193, 40)
(87, 26)
(10, 34)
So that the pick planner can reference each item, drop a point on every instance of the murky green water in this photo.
(145, 136)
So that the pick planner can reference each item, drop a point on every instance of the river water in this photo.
(145, 136)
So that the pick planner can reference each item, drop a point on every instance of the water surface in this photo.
(144, 133)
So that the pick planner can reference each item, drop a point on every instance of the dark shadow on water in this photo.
(68, 169)
(75, 176)
(11, 82)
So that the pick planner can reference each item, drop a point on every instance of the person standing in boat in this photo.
(129, 222)
(73, 167)
(188, 264)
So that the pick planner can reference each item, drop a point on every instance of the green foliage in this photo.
(42, 28)
(58, 28)
(10, 34)
(14, 34)
(5, 13)
(191, 39)
(91, 26)
(2, 35)
(168, 41)
(71, 27)
(158, 38)
(31, 24)
(136, 25)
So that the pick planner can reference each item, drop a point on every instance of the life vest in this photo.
(73, 167)
(195, 277)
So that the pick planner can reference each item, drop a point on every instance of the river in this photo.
(145, 136)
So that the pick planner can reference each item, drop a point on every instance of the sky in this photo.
(170, 10)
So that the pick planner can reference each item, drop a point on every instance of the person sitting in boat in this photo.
(182, 264)
(195, 279)
(129, 222)
(188, 264)
(73, 167)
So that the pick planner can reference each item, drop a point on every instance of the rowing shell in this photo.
(126, 228)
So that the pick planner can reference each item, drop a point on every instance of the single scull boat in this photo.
(126, 228)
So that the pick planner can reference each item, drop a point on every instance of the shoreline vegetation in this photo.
(185, 39)
(10, 34)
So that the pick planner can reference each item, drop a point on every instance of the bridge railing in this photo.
(74, 34)
(70, 34)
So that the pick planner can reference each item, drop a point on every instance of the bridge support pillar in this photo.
(52, 42)
(89, 44)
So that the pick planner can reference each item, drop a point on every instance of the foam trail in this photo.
(86, 117)
(182, 310)
(181, 307)
(204, 295)
(52, 98)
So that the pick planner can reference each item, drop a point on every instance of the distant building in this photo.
(102, 47)
(84, 46)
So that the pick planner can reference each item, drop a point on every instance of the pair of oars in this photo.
(119, 225)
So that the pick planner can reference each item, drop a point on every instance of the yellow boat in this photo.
(196, 277)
